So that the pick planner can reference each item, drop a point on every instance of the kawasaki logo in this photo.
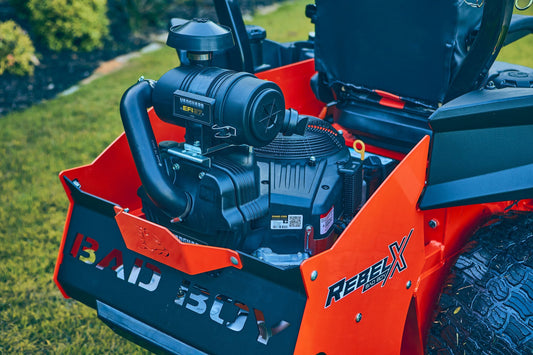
(377, 273)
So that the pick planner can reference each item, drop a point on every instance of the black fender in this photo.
(481, 149)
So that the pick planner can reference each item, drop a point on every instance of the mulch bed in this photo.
(58, 71)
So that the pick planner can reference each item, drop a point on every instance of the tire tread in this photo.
(486, 307)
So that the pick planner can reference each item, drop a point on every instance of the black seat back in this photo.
(424, 52)
(413, 49)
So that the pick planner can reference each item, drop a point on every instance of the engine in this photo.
(250, 175)
(287, 197)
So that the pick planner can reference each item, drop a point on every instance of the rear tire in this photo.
(487, 305)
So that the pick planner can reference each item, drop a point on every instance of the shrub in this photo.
(79, 25)
(20, 7)
(143, 14)
(17, 54)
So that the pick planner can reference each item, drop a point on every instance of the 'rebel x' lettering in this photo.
(379, 272)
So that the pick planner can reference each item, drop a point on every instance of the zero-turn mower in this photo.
(367, 190)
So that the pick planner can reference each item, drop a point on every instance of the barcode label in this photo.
(291, 221)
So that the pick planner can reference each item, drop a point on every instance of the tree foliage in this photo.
(17, 54)
(79, 25)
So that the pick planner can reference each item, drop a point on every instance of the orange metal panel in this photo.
(294, 80)
(371, 321)
(450, 232)
(112, 175)
(158, 243)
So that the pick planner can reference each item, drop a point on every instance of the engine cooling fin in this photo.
(320, 140)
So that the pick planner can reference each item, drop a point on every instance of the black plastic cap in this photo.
(267, 115)
(294, 123)
(255, 33)
(310, 12)
(200, 35)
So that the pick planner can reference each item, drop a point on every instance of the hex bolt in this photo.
(234, 260)
(314, 275)
(76, 183)
(408, 284)
(201, 175)
(176, 167)
(312, 160)
(358, 317)
(433, 223)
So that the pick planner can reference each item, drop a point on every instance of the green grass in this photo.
(35, 145)
(288, 23)
(65, 132)
(520, 52)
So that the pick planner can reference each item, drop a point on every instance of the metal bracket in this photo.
(224, 131)
(190, 155)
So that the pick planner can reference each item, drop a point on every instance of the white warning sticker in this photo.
(326, 220)
(291, 221)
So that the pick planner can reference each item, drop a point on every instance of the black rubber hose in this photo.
(144, 149)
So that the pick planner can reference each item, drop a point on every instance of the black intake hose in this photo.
(173, 201)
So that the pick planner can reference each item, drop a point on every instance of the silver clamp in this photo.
(224, 131)
(476, 4)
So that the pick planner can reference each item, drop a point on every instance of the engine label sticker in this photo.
(284, 221)
(380, 272)
(326, 220)
(193, 107)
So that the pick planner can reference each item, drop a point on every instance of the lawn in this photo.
(65, 132)
(520, 52)
(35, 145)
